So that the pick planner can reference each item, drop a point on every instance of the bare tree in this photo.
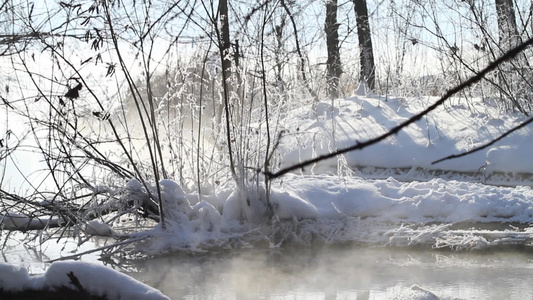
(366, 55)
(333, 64)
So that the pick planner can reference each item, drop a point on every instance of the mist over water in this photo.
(340, 272)
(347, 271)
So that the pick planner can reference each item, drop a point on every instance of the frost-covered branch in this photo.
(40, 215)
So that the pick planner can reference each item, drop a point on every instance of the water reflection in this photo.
(340, 272)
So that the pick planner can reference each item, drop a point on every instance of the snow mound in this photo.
(331, 209)
(389, 200)
(95, 279)
(99, 280)
(13, 278)
(95, 227)
(450, 129)
(510, 157)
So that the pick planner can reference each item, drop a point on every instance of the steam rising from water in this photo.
(340, 272)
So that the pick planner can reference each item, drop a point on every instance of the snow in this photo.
(98, 228)
(448, 130)
(413, 293)
(514, 158)
(348, 200)
(13, 278)
(390, 200)
(95, 279)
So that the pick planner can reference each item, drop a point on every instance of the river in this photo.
(340, 272)
(349, 271)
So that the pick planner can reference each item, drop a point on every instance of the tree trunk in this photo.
(225, 55)
(225, 43)
(333, 64)
(278, 30)
(224, 46)
(516, 75)
(298, 48)
(507, 29)
(366, 56)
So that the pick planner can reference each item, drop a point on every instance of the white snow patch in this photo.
(95, 227)
(99, 280)
(13, 278)
(389, 200)
(95, 279)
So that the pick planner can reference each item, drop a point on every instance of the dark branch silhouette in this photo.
(358, 146)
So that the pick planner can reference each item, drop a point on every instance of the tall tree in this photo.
(333, 64)
(515, 76)
(366, 55)
(279, 52)
(225, 53)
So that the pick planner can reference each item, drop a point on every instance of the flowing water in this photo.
(314, 272)
(340, 272)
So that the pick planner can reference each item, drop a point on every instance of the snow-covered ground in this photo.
(310, 208)
(350, 200)
(363, 196)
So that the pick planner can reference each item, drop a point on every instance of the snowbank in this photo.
(14, 278)
(97, 280)
(332, 209)
(453, 129)
(382, 210)
(393, 201)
